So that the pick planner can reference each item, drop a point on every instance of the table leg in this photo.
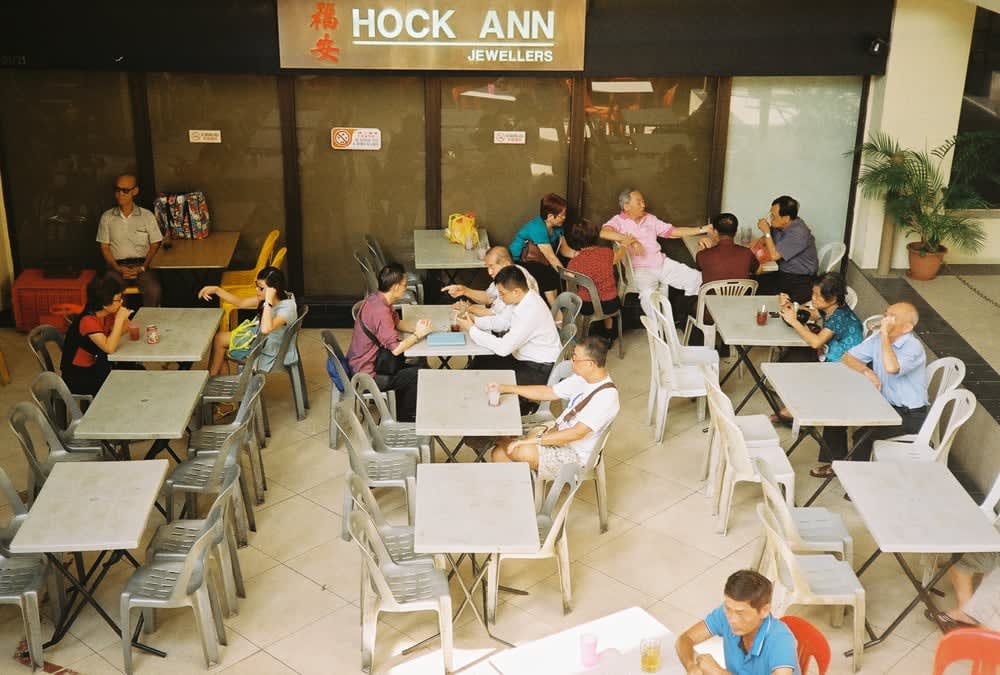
(87, 596)
(819, 439)
(923, 595)
(449, 452)
(758, 382)
(478, 578)
(159, 445)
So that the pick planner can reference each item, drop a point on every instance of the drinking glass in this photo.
(649, 655)
(493, 394)
(588, 650)
(133, 331)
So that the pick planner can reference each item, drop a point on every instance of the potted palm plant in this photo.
(917, 200)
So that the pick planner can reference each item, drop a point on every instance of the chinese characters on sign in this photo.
(355, 138)
(432, 34)
(204, 135)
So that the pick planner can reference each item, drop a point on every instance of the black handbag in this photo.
(386, 363)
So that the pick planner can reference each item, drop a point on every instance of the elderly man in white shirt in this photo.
(488, 302)
(531, 343)
(591, 406)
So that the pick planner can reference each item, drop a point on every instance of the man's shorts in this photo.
(551, 459)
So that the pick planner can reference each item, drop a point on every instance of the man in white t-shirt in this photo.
(581, 426)
(488, 302)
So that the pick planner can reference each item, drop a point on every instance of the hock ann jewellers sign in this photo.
(432, 34)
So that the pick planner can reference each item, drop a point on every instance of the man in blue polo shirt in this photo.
(755, 642)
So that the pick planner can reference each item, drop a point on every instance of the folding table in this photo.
(440, 317)
(91, 506)
(433, 251)
(185, 336)
(915, 507)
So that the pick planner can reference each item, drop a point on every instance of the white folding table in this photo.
(432, 250)
(91, 506)
(440, 317)
(915, 507)
(735, 321)
(828, 395)
(136, 405)
(185, 336)
(474, 509)
(454, 403)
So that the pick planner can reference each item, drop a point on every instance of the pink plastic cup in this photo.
(588, 650)
(493, 395)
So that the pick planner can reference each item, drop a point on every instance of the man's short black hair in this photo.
(595, 347)
(726, 224)
(511, 277)
(389, 276)
(787, 206)
(750, 587)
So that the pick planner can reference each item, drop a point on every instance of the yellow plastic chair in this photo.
(229, 310)
(233, 278)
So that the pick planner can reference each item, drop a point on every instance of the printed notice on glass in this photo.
(355, 138)
(509, 137)
(204, 135)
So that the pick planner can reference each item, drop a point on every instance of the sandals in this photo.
(947, 622)
(822, 471)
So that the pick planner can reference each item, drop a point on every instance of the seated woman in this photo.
(276, 310)
(93, 335)
(545, 232)
(841, 330)
(597, 262)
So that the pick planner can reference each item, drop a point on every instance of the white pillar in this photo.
(917, 101)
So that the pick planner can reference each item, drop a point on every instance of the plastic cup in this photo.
(455, 328)
(133, 331)
(649, 655)
(493, 395)
(761, 317)
(588, 650)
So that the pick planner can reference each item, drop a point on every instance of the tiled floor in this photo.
(301, 613)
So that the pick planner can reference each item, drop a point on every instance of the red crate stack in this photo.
(34, 293)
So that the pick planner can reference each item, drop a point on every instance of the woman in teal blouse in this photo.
(546, 231)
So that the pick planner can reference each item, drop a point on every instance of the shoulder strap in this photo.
(370, 335)
(578, 408)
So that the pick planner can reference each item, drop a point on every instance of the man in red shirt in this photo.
(725, 259)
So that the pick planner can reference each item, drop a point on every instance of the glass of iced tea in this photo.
(649, 655)
(133, 331)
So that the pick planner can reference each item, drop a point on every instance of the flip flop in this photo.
(825, 471)
(946, 621)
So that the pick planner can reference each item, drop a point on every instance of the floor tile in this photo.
(293, 526)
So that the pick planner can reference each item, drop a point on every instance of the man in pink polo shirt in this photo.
(638, 231)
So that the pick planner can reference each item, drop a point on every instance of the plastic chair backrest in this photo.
(569, 304)
(367, 271)
(830, 256)
(989, 504)
(356, 440)
(626, 276)
(568, 478)
(811, 643)
(963, 404)
(266, 249)
(851, 298)
(567, 332)
(730, 287)
(951, 371)
(978, 645)
(575, 280)
(336, 354)
(279, 257)
(192, 574)
(39, 340)
(229, 453)
(786, 565)
(776, 502)
(561, 371)
(665, 322)
(248, 403)
(364, 499)
(291, 336)
(366, 535)
(25, 416)
(663, 359)
(365, 386)
(871, 324)
(375, 248)
(733, 444)
(20, 512)
(54, 398)
(356, 309)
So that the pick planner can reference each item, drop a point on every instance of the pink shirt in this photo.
(380, 319)
(645, 231)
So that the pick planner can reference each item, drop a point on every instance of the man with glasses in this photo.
(591, 406)
(789, 242)
(129, 237)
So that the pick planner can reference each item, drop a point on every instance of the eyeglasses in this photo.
(124, 189)
(574, 359)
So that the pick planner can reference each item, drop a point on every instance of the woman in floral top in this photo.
(841, 330)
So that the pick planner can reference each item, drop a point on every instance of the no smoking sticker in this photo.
(355, 138)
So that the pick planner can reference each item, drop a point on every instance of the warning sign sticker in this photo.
(355, 138)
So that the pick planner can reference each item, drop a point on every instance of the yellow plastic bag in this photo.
(460, 226)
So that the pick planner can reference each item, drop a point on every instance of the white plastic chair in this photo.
(413, 281)
(569, 305)
(730, 287)
(349, 397)
(811, 529)
(683, 354)
(830, 256)
(739, 465)
(559, 372)
(376, 469)
(39, 339)
(594, 470)
(626, 276)
(851, 298)
(398, 539)
(385, 432)
(871, 324)
(62, 409)
(391, 587)
(553, 536)
(567, 338)
(28, 422)
(668, 380)
(812, 580)
(951, 371)
(573, 281)
(922, 447)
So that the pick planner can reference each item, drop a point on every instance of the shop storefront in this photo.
(702, 104)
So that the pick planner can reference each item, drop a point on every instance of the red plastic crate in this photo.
(33, 295)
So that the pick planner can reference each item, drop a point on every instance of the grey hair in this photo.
(914, 314)
(624, 196)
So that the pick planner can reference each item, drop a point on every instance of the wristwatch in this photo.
(538, 436)
(767, 234)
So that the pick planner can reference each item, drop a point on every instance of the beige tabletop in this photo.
(916, 507)
(185, 335)
(214, 251)
(454, 403)
(475, 508)
(137, 405)
(92, 506)
(829, 394)
(735, 321)
(618, 638)
(433, 251)
(440, 316)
